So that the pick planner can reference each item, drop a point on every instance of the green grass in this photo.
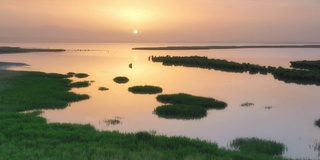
(103, 88)
(121, 79)
(317, 122)
(304, 77)
(71, 74)
(80, 84)
(37, 90)
(6, 49)
(311, 65)
(180, 111)
(81, 75)
(187, 99)
(146, 89)
(257, 145)
(28, 136)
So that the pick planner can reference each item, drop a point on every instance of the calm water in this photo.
(289, 121)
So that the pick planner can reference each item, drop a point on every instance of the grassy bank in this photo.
(28, 136)
(6, 49)
(180, 111)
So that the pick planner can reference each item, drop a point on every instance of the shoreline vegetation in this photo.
(7, 49)
(283, 74)
(28, 136)
(224, 47)
(310, 65)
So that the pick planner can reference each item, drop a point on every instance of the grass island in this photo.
(146, 89)
(121, 79)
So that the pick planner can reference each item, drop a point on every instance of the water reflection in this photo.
(290, 122)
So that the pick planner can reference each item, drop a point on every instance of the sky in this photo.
(185, 21)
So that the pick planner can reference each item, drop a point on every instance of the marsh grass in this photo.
(112, 121)
(317, 122)
(146, 89)
(37, 90)
(187, 99)
(71, 74)
(311, 65)
(121, 79)
(257, 145)
(81, 75)
(28, 136)
(103, 88)
(247, 104)
(80, 84)
(180, 111)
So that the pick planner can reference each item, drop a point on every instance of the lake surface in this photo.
(290, 120)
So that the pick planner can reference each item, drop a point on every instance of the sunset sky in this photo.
(233, 21)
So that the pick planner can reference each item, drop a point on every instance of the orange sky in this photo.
(238, 21)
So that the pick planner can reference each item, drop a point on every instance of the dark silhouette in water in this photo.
(130, 65)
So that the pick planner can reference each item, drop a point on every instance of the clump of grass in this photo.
(103, 88)
(114, 121)
(80, 84)
(268, 107)
(70, 74)
(145, 89)
(247, 104)
(81, 75)
(317, 122)
(257, 145)
(180, 111)
(121, 79)
(188, 99)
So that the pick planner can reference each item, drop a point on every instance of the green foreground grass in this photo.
(28, 136)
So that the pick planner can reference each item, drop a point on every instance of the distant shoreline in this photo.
(223, 47)
(7, 49)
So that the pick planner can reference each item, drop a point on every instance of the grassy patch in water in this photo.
(180, 111)
(311, 65)
(28, 136)
(7, 49)
(317, 122)
(247, 104)
(103, 88)
(257, 145)
(81, 75)
(146, 89)
(188, 99)
(121, 79)
(80, 84)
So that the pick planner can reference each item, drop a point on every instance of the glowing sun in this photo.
(135, 31)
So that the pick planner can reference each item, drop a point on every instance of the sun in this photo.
(135, 31)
